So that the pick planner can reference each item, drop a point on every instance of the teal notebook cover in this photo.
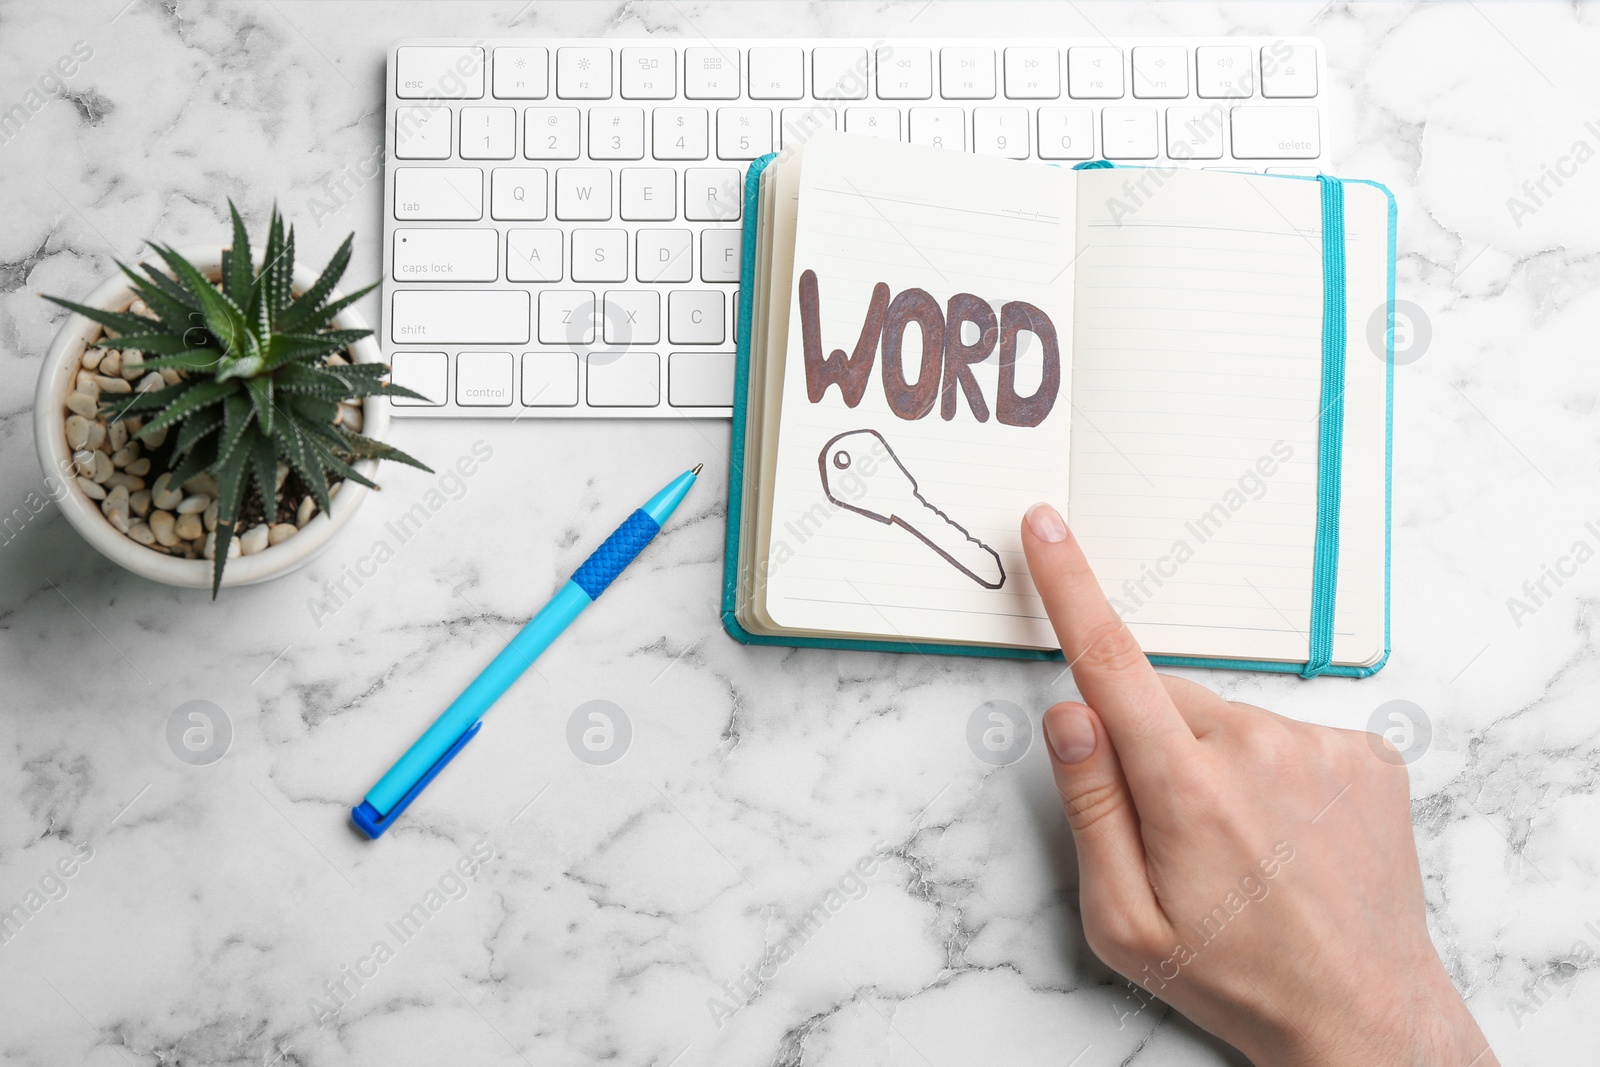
(1325, 562)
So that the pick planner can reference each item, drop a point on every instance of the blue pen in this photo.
(462, 719)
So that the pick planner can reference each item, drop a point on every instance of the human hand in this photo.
(1256, 873)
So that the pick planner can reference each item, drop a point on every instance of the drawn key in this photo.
(861, 473)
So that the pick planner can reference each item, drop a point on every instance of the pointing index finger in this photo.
(1107, 663)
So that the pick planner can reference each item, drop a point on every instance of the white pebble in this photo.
(102, 468)
(91, 490)
(278, 478)
(163, 494)
(112, 364)
(87, 385)
(133, 423)
(117, 434)
(164, 527)
(211, 516)
(142, 533)
(83, 461)
(97, 435)
(77, 432)
(151, 381)
(211, 547)
(139, 501)
(193, 505)
(336, 360)
(153, 438)
(253, 540)
(82, 404)
(188, 527)
(281, 532)
(205, 483)
(123, 456)
(113, 385)
(120, 520)
(140, 466)
(133, 365)
(92, 358)
(138, 307)
(333, 490)
(350, 417)
(308, 508)
(131, 482)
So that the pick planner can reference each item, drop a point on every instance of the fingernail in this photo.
(1070, 733)
(1046, 524)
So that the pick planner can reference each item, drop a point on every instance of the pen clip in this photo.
(372, 823)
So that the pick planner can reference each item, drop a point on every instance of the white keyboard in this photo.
(562, 217)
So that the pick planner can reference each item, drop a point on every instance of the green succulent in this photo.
(255, 384)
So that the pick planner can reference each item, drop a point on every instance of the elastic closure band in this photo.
(1330, 445)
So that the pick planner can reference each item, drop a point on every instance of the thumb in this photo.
(1114, 882)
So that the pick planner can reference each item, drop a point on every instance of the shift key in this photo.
(441, 255)
(457, 316)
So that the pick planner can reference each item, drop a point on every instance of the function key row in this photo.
(845, 72)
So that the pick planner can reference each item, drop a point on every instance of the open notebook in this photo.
(1192, 365)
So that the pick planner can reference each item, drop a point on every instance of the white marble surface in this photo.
(219, 900)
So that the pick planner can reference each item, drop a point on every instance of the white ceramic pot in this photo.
(56, 379)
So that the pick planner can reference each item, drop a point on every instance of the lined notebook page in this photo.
(1197, 391)
(946, 223)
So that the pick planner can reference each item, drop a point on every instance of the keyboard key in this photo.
(881, 122)
(1129, 133)
(649, 194)
(1289, 71)
(550, 133)
(719, 254)
(549, 379)
(422, 133)
(442, 255)
(632, 317)
(616, 133)
(700, 379)
(483, 379)
(939, 127)
(444, 194)
(711, 73)
(712, 194)
(777, 73)
(488, 132)
(1160, 72)
(966, 73)
(599, 255)
(624, 379)
(1195, 132)
(743, 132)
(649, 73)
(583, 194)
(522, 73)
(696, 317)
(1033, 74)
(680, 133)
(1094, 72)
(566, 317)
(1000, 131)
(438, 72)
(427, 373)
(905, 73)
(1275, 133)
(583, 73)
(664, 255)
(1066, 133)
(533, 255)
(518, 193)
(1223, 71)
(799, 123)
(838, 73)
(459, 316)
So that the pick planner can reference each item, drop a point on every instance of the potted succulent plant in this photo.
(240, 391)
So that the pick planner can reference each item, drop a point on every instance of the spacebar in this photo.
(472, 317)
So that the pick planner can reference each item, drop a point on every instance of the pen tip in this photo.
(698, 467)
